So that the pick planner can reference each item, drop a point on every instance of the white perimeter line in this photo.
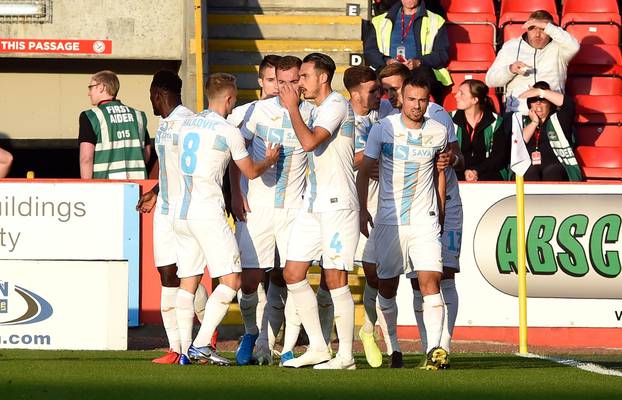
(585, 366)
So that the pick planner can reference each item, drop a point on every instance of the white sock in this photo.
(344, 320)
(418, 308)
(215, 310)
(200, 299)
(168, 298)
(433, 315)
(369, 302)
(292, 325)
(273, 315)
(248, 309)
(326, 311)
(383, 327)
(261, 305)
(185, 318)
(307, 310)
(450, 297)
(389, 310)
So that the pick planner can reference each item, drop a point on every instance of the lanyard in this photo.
(471, 130)
(537, 134)
(410, 24)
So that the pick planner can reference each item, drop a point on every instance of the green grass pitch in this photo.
(28, 374)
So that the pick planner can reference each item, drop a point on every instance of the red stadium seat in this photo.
(459, 77)
(511, 31)
(597, 59)
(600, 162)
(594, 85)
(517, 11)
(595, 33)
(599, 135)
(465, 32)
(450, 101)
(470, 57)
(582, 11)
(599, 109)
(470, 10)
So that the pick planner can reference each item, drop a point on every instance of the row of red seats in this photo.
(594, 75)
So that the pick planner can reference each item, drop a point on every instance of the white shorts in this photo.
(452, 238)
(331, 235)
(372, 205)
(407, 249)
(264, 228)
(204, 242)
(164, 240)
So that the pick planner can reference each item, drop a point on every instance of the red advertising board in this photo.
(55, 46)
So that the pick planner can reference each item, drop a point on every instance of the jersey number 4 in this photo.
(335, 243)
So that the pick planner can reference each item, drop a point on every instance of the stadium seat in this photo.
(594, 85)
(590, 11)
(594, 33)
(467, 32)
(459, 77)
(517, 11)
(467, 57)
(511, 31)
(599, 109)
(470, 10)
(597, 59)
(599, 135)
(450, 101)
(600, 162)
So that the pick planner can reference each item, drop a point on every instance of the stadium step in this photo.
(227, 26)
(325, 7)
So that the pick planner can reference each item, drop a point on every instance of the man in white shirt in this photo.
(207, 142)
(327, 223)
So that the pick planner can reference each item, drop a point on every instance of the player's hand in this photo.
(538, 23)
(146, 202)
(239, 207)
(374, 173)
(273, 151)
(365, 221)
(519, 68)
(289, 95)
(470, 175)
(444, 160)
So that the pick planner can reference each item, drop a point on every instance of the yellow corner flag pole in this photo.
(198, 51)
(522, 270)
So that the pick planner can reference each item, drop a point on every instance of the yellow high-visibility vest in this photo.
(429, 28)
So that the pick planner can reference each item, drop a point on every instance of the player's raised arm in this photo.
(309, 139)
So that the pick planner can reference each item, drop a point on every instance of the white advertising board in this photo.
(75, 305)
(573, 248)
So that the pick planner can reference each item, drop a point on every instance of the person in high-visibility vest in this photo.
(414, 36)
(114, 142)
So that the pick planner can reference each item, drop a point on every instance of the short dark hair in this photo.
(541, 14)
(322, 62)
(269, 61)
(394, 69)
(356, 75)
(417, 81)
(288, 62)
(538, 85)
(167, 81)
(480, 91)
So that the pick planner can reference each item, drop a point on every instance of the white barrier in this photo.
(77, 305)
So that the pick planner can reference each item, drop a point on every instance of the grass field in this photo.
(28, 374)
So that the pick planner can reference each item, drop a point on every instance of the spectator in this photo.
(412, 35)
(548, 134)
(6, 159)
(114, 142)
(540, 54)
(484, 143)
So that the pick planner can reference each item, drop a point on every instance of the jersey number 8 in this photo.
(189, 155)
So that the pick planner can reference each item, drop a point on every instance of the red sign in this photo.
(55, 46)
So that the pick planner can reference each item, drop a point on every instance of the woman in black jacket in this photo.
(482, 139)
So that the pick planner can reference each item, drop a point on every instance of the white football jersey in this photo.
(407, 162)
(452, 192)
(166, 149)
(362, 125)
(240, 114)
(207, 142)
(330, 183)
(283, 184)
